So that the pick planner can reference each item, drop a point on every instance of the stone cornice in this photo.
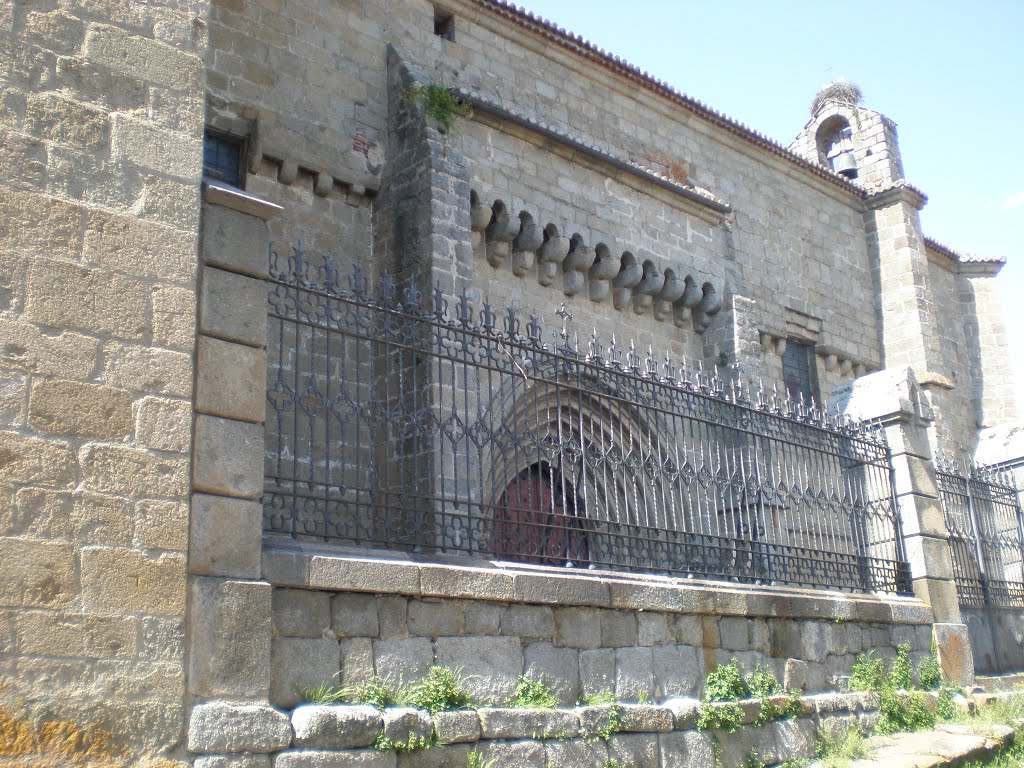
(980, 268)
(466, 578)
(899, 192)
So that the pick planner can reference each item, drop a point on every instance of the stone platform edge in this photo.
(474, 579)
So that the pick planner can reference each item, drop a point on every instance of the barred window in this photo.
(222, 157)
(798, 371)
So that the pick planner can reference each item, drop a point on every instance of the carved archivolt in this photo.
(605, 271)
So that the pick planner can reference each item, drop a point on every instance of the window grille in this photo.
(222, 158)
(798, 371)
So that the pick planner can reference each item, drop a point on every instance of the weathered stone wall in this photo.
(582, 633)
(580, 737)
(981, 305)
(100, 155)
(579, 651)
(997, 638)
(956, 408)
(306, 83)
(796, 241)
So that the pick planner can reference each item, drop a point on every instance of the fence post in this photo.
(892, 399)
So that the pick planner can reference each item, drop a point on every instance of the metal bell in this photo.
(845, 164)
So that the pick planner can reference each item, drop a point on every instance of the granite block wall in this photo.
(100, 161)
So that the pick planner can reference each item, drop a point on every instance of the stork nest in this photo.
(847, 94)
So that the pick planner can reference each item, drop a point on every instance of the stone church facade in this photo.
(459, 217)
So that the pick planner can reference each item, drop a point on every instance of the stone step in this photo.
(947, 745)
(1004, 682)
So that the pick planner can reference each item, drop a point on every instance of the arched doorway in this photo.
(538, 519)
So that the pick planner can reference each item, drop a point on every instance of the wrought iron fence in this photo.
(414, 422)
(983, 520)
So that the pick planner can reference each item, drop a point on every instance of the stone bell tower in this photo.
(853, 141)
(861, 145)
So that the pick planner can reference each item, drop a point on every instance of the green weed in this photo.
(838, 751)
(532, 694)
(901, 674)
(867, 673)
(441, 689)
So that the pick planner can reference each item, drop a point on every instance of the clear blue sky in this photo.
(950, 74)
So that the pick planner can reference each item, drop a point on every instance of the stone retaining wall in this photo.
(644, 638)
(638, 735)
(997, 638)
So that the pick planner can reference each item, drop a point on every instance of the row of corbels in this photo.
(623, 278)
(831, 361)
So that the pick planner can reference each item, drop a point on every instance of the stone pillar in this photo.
(423, 211)
(893, 398)
(229, 605)
(986, 342)
(906, 315)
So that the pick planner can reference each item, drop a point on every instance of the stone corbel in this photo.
(525, 245)
(605, 267)
(499, 235)
(709, 306)
(479, 218)
(551, 255)
(650, 285)
(576, 265)
(671, 291)
(683, 307)
(629, 275)
(323, 184)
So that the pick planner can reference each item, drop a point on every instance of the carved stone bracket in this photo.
(500, 235)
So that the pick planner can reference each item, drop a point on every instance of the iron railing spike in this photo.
(535, 331)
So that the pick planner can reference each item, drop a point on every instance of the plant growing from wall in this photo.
(724, 686)
(440, 103)
(867, 673)
(836, 751)
(325, 693)
(532, 694)
(945, 706)
(907, 711)
(476, 760)
(929, 672)
(441, 689)
(377, 692)
(901, 675)
(900, 706)
(414, 743)
(614, 722)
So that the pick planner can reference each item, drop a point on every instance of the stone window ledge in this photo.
(377, 572)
